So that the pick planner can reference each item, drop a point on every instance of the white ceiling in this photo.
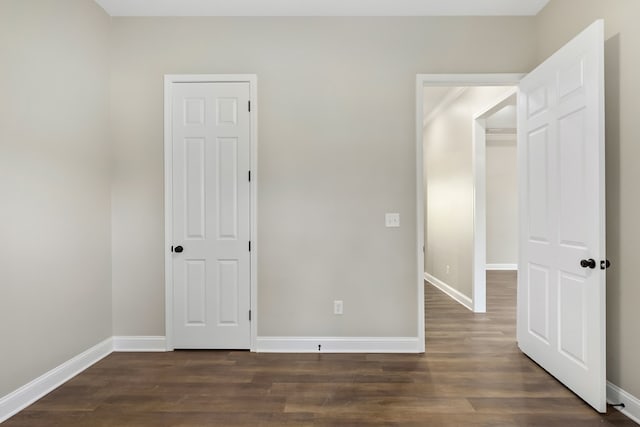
(322, 7)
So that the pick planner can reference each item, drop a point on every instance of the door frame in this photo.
(169, 81)
(422, 81)
(479, 167)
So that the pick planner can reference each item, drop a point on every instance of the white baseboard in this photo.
(19, 399)
(509, 267)
(453, 293)
(142, 343)
(631, 403)
(337, 345)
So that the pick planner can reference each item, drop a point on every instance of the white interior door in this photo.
(561, 303)
(211, 217)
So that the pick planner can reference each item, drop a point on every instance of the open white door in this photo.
(561, 273)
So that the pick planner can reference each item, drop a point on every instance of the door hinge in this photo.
(249, 315)
(249, 105)
(249, 245)
(249, 176)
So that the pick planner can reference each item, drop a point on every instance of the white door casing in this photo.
(479, 167)
(210, 216)
(561, 304)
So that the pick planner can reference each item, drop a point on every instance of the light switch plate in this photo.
(392, 220)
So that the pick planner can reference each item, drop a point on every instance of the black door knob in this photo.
(588, 263)
(178, 249)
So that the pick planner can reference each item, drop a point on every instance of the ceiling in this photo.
(322, 7)
(504, 119)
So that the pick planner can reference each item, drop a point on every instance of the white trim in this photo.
(479, 167)
(506, 267)
(479, 172)
(339, 345)
(453, 293)
(494, 79)
(321, 8)
(420, 248)
(253, 232)
(169, 79)
(19, 399)
(631, 403)
(142, 343)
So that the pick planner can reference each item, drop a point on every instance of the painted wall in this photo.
(55, 273)
(557, 24)
(336, 103)
(502, 201)
(449, 187)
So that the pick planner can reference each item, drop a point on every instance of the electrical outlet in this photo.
(392, 220)
(338, 307)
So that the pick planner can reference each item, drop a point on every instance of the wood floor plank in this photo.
(472, 374)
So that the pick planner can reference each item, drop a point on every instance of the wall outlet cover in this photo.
(392, 220)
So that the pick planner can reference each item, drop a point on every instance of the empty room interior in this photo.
(319, 213)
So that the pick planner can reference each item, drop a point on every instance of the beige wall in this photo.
(336, 151)
(502, 201)
(55, 274)
(449, 187)
(557, 24)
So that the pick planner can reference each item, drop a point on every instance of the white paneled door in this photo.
(211, 215)
(562, 266)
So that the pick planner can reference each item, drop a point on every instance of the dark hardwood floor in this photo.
(471, 375)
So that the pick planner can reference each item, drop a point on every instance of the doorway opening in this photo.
(455, 112)
(443, 83)
(560, 209)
